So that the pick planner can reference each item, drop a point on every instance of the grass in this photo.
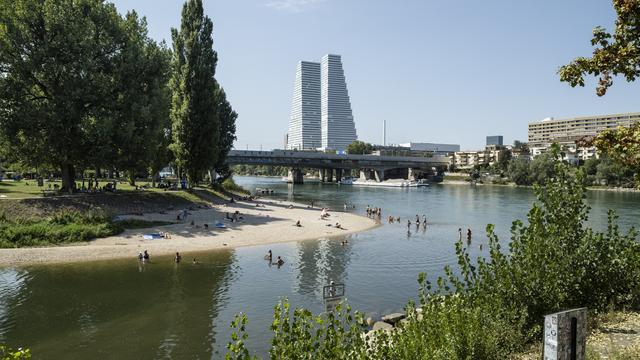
(64, 226)
(29, 219)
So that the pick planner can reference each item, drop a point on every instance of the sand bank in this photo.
(272, 222)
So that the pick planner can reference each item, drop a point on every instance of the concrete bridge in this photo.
(370, 166)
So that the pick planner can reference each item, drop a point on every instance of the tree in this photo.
(142, 113)
(193, 106)
(359, 147)
(56, 70)
(519, 171)
(622, 145)
(227, 131)
(614, 54)
(542, 168)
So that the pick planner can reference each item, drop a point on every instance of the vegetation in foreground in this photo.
(490, 308)
(64, 226)
(7, 353)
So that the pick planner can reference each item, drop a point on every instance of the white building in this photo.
(338, 127)
(436, 148)
(566, 132)
(304, 124)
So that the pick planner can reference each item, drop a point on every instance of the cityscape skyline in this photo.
(483, 68)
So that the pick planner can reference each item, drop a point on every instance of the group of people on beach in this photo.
(279, 261)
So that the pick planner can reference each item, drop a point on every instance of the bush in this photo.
(230, 185)
(488, 308)
(64, 226)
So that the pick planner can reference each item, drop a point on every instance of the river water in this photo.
(120, 310)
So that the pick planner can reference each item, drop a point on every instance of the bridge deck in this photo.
(336, 161)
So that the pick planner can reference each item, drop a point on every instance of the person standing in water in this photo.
(459, 234)
(178, 257)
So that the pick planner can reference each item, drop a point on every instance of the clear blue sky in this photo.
(437, 71)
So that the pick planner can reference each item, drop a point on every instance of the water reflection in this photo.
(320, 262)
(112, 308)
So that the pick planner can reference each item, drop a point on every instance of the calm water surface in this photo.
(120, 310)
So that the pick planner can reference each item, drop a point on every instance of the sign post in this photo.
(565, 335)
(332, 295)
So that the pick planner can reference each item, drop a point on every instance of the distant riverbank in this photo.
(271, 222)
(590, 188)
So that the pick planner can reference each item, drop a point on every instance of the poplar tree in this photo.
(193, 105)
(227, 133)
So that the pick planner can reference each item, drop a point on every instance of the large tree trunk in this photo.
(68, 178)
(131, 177)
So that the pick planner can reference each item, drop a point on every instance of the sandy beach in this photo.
(272, 222)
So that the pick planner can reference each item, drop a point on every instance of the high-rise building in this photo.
(304, 124)
(337, 126)
(495, 140)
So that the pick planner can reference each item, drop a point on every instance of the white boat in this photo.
(346, 181)
(390, 183)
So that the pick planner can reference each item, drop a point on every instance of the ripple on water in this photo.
(12, 295)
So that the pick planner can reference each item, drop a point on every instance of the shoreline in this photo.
(512, 185)
(272, 222)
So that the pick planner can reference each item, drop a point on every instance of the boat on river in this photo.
(395, 183)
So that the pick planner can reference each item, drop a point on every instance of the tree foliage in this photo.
(359, 147)
(614, 54)
(81, 87)
(57, 60)
(227, 132)
(195, 123)
(622, 145)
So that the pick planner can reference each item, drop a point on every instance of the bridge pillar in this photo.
(295, 176)
(338, 175)
(329, 175)
(379, 175)
(323, 175)
(411, 175)
(364, 174)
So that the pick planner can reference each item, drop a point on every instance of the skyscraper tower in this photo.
(304, 124)
(337, 126)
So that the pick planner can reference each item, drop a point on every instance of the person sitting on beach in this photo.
(338, 226)
(146, 256)
(298, 224)
(279, 261)
(178, 257)
(140, 257)
(269, 255)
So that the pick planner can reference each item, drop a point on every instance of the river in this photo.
(118, 309)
